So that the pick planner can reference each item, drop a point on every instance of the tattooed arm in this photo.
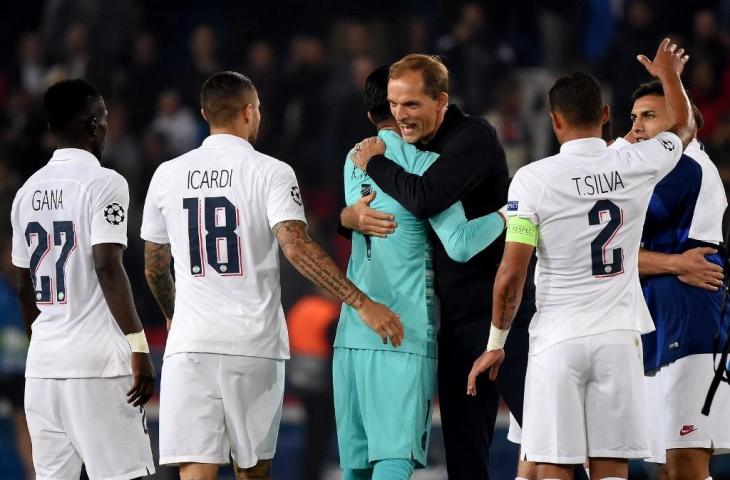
(314, 263)
(506, 299)
(157, 260)
(509, 283)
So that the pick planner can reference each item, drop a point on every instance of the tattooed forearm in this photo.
(314, 263)
(509, 283)
(506, 307)
(157, 271)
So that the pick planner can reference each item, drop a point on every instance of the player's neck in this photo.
(236, 132)
(65, 143)
(579, 133)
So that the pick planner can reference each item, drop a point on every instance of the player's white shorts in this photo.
(585, 397)
(215, 406)
(680, 388)
(77, 421)
(514, 433)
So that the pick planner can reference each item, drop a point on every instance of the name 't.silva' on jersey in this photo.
(209, 179)
(47, 200)
(598, 183)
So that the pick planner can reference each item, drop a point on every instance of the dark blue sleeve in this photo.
(675, 192)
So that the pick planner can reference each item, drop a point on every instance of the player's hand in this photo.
(381, 319)
(694, 269)
(359, 216)
(668, 58)
(143, 374)
(365, 150)
(491, 361)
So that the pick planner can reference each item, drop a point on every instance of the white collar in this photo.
(65, 154)
(226, 140)
(582, 145)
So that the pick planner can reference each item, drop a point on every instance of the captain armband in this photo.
(522, 230)
(138, 342)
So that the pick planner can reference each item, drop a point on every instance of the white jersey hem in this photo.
(538, 347)
(20, 262)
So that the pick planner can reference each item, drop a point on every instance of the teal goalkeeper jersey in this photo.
(396, 270)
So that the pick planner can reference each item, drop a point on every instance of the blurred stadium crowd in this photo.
(308, 61)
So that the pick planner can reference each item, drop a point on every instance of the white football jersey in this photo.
(64, 209)
(216, 206)
(711, 202)
(590, 203)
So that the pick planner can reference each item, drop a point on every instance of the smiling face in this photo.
(418, 114)
(649, 117)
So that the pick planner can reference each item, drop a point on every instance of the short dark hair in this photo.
(578, 97)
(67, 99)
(376, 95)
(223, 94)
(655, 88)
(649, 88)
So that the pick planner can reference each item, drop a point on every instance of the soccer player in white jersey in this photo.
(682, 272)
(584, 393)
(219, 211)
(85, 383)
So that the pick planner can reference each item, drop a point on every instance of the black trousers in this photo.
(468, 422)
(318, 430)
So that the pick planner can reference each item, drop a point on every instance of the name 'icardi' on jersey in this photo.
(216, 207)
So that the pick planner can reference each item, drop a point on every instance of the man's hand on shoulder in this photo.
(360, 217)
(365, 150)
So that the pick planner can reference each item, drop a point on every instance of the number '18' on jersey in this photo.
(216, 207)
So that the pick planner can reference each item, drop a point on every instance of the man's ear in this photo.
(443, 101)
(202, 114)
(91, 126)
(605, 114)
(557, 120)
(247, 112)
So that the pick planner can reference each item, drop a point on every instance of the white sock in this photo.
(523, 478)
(613, 478)
(588, 471)
(708, 478)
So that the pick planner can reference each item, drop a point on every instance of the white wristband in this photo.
(497, 338)
(138, 342)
